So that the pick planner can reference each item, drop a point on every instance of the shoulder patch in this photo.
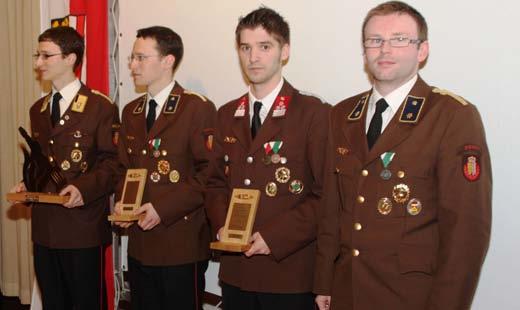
(358, 109)
(447, 92)
(45, 103)
(188, 92)
(306, 93)
(412, 109)
(97, 92)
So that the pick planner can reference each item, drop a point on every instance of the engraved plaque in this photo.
(133, 189)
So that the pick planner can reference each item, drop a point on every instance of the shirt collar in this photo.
(268, 100)
(69, 91)
(161, 96)
(396, 97)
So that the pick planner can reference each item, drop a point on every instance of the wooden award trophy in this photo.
(239, 221)
(39, 172)
(133, 189)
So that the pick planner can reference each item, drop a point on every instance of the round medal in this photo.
(174, 176)
(400, 174)
(282, 174)
(401, 193)
(384, 206)
(76, 155)
(414, 206)
(83, 166)
(163, 166)
(275, 158)
(386, 174)
(156, 153)
(271, 189)
(65, 165)
(296, 187)
(155, 177)
(266, 159)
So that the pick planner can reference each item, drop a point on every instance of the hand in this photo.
(220, 232)
(119, 211)
(150, 218)
(18, 188)
(258, 246)
(75, 200)
(323, 302)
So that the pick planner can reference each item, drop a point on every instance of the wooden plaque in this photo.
(239, 221)
(133, 189)
(30, 197)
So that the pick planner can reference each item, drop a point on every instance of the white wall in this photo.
(475, 52)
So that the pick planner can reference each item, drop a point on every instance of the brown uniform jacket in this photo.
(287, 221)
(424, 251)
(88, 128)
(185, 129)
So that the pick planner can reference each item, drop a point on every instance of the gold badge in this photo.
(230, 139)
(401, 193)
(65, 165)
(414, 206)
(155, 176)
(266, 160)
(400, 174)
(76, 155)
(174, 176)
(342, 150)
(271, 189)
(83, 166)
(163, 166)
(282, 174)
(79, 104)
(296, 187)
(384, 206)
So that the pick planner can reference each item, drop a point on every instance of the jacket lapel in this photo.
(74, 113)
(170, 111)
(240, 123)
(353, 128)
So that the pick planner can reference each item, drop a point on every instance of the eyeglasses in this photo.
(394, 42)
(139, 57)
(45, 56)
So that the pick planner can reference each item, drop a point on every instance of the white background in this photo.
(474, 53)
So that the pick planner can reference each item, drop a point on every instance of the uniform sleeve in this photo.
(464, 213)
(328, 237)
(99, 181)
(297, 227)
(188, 195)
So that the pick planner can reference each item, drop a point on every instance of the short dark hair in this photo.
(398, 7)
(68, 40)
(272, 22)
(168, 41)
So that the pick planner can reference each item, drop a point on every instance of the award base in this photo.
(123, 218)
(229, 246)
(30, 197)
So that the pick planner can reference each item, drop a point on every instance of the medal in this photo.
(296, 187)
(282, 174)
(401, 193)
(83, 166)
(76, 155)
(163, 166)
(275, 159)
(384, 206)
(65, 165)
(155, 177)
(271, 189)
(156, 153)
(266, 160)
(386, 159)
(274, 147)
(414, 206)
(154, 147)
(174, 176)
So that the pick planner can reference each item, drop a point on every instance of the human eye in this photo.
(245, 48)
(265, 47)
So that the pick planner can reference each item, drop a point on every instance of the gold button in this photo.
(186, 218)
(249, 160)
(355, 252)
(129, 150)
(143, 152)
(51, 159)
(357, 226)
(400, 174)
(247, 182)
(76, 144)
(364, 172)
(337, 170)
(360, 199)
(62, 122)
(51, 141)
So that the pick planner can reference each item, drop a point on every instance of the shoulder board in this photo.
(306, 93)
(196, 94)
(97, 92)
(454, 96)
(45, 103)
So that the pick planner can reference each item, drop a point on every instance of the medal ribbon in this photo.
(386, 158)
(267, 148)
(276, 146)
(155, 143)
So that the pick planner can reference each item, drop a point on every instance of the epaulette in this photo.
(306, 93)
(188, 92)
(452, 95)
(97, 92)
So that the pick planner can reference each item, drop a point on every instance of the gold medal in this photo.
(414, 206)
(266, 159)
(163, 166)
(282, 174)
(401, 193)
(155, 177)
(296, 187)
(271, 189)
(83, 166)
(275, 158)
(65, 165)
(76, 155)
(384, 206)
(174, 176)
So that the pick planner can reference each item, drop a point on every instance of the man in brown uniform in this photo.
(74, 126)
(168, 131)
(278, 149)
(408, 214)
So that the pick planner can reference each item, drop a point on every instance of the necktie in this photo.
(256, 123)
(374, 130)
(55, 113)
(150, 117)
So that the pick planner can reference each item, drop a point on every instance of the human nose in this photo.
(253, 54)
(385, 46)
